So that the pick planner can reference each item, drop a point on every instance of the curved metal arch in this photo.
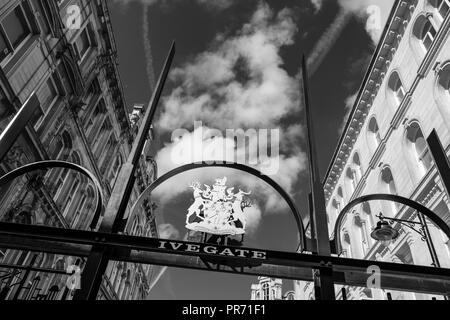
(388, 197)
(49, 164)
(236, 166)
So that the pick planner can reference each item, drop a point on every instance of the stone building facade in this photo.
(383, 149)
(64, 52)
(270, 289)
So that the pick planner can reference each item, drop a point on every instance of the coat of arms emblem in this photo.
(217, 210)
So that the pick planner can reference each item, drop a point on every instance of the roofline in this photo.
(363, 85)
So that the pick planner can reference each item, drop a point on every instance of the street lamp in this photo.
(385, 233)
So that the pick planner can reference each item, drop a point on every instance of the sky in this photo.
(237, 66)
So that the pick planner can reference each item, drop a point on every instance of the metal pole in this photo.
(429, 241)
(440, 159)
(431, 248)
(325, 282)
(344, 294)
(115, 211)
(15, 128)
(313, 246)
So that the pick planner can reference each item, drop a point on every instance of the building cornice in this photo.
(390, 40)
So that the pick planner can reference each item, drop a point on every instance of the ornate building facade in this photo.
(64, 52)
(270, 289)
(405, 95)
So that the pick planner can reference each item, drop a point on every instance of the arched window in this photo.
(336, 204)
(396, 87)
(374, 135)
(352, 179)
(266, 291)
(364, 233)
(346, 245)
(369, 221)
(419, 147)
(366, 209)
(425, 32)
(340, 193)
(84, 210)
(388, 179)
(442, 7)
(388, 182)
(357, 166)
(442, 91)
(57, 149)
(335, 210)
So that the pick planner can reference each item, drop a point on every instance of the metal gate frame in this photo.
(108, 244)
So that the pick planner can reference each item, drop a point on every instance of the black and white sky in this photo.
(237, 67)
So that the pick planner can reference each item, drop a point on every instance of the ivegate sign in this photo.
(213, 250)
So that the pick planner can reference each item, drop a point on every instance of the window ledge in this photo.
(11, 63)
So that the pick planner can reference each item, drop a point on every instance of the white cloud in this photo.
(317, 4)
(240, 81)
(375, 11)
(237, 83)
(185, 151)
(349, 102)
(168, 231)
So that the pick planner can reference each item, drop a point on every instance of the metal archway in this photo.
(388, 197)
(50, 164)
(236, 166)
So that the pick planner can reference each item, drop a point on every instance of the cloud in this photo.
(376, 13)
(317, 4)
(168, 231)
(349, 102)
(239, 81)
(148, 48)
(186, 150)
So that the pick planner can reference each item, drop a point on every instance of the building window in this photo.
(79, 211)
(363, 233)
(388, 182)
(115, 170)
(340, 193)
(266, 291)
(419, 147)
(357, 166)
(83, 43)
(352, 179)
(14, 29)
(442, 6)
(428, 35)
(396, 87)
(425, 32)
(71, 196)
(47, 96)
(388, 179)
(374, 133)
(346, 245)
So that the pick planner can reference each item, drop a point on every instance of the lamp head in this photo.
(384, 233)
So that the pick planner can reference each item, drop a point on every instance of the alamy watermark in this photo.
(374, 280)
(73, 282)
(73, 19)
(259, 148)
